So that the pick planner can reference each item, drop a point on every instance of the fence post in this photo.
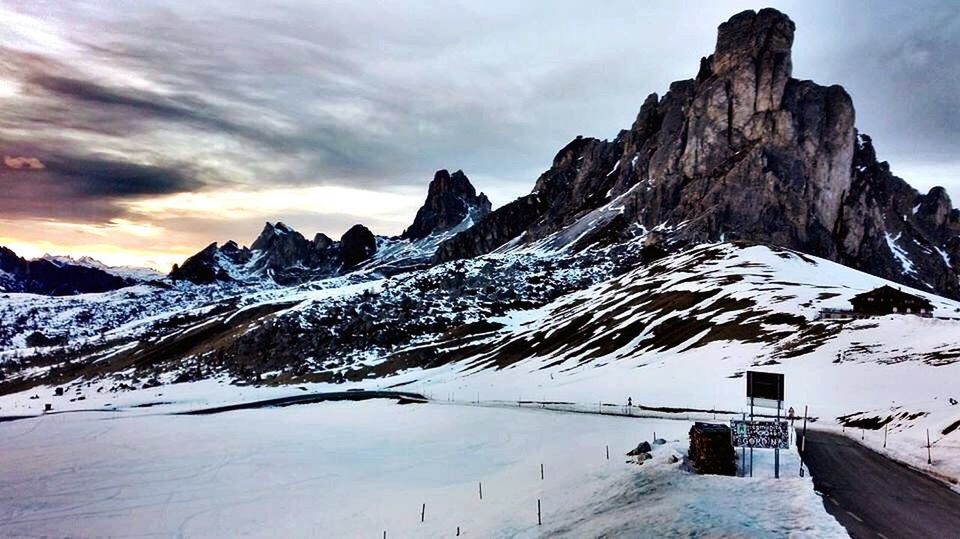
(539, 520)
(929, 457)
(884, 435)
(480, 484)
(803, 439)
(423, 511)
(541, 471)
(608, 452)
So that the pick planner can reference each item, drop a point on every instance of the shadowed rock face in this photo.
(282, 247)
(451, 198)
(356, 245)
(743, 151)
(208, 265)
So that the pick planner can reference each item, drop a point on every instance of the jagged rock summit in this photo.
(451, 199)
(743, 151)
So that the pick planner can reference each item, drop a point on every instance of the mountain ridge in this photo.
(284, 256)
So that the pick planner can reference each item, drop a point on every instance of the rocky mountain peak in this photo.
(356, 245)
(322, 242)
(273, 233)
(760, 40)
(451, 198)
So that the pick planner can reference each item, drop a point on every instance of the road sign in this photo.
(765, 385)
(760, 434)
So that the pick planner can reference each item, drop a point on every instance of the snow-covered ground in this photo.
(362, 469)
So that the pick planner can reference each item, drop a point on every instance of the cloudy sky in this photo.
(138, 132)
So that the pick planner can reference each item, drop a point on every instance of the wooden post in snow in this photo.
(423, 511)
(929, 457)
(480, 484)
(884, 435)
(539, 520)
(608, 452)
(541, 471)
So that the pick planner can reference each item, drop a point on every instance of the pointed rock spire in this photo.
(451, 198)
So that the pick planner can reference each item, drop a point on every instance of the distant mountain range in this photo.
(284, 256)
(64, 276)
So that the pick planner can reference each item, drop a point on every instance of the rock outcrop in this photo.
(357, 245)
(743, 151)
(451, 199)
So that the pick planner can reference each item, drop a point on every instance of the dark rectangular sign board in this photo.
(765, 385)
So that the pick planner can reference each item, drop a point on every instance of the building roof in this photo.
(891, 292)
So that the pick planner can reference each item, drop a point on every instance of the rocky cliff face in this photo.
(743, 151)
(451, 199)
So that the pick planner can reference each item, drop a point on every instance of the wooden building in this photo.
(889, 300)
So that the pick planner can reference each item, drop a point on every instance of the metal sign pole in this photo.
(751, 440)
(743, 453)
(776, 450)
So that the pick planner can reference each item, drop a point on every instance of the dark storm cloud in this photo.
(83, 187)
(98, 177)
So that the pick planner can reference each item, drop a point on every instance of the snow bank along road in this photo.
(357, 469)
(873, 496)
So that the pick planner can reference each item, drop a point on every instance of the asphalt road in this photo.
(873, 496)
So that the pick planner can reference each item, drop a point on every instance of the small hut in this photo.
(889, 300)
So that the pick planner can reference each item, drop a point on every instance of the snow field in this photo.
(358, 469)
